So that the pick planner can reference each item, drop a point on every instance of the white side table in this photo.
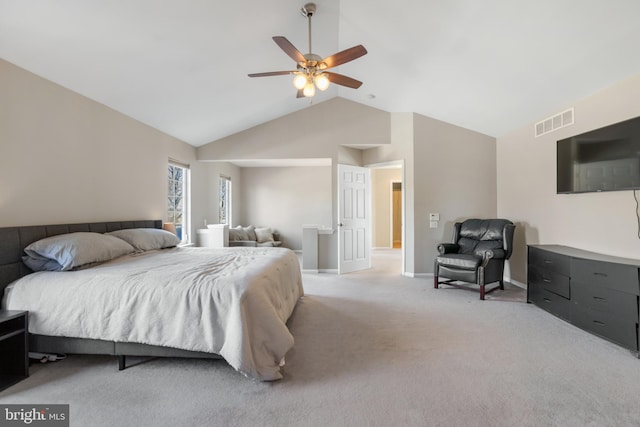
(214, 236)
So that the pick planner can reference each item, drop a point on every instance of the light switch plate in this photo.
(433, 224)
(434, 217)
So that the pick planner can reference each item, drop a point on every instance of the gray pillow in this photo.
(238, 233)
(76, 249)
(251, 232)
(146, 239)
(38, 263)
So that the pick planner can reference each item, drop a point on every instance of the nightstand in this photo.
(14, 347)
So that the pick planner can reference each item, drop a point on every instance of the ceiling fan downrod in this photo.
(308, 10)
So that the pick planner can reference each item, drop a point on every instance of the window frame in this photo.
(183, 227)
(227, 218)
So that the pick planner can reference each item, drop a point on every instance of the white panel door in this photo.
(354, 211)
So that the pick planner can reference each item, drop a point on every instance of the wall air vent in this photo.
(554, 122)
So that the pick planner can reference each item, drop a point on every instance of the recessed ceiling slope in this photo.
(182, 68)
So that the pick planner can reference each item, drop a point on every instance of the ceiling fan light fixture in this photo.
(309, 89)
(300, 81)
(321, 81)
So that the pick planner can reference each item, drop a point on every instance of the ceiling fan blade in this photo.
(341, 80)
(271, 73)
(300, 94)
(344, 56)
(289, 49)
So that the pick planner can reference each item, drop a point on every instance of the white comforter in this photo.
(233, 302)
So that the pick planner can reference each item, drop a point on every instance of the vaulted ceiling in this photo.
(181, 66)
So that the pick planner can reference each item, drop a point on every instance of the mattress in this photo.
(230, 301)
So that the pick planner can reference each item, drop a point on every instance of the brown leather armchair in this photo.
(477, 255)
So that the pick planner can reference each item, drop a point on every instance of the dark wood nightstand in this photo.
(14, 347)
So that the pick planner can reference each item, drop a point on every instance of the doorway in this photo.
(396, 215)
(388, 213)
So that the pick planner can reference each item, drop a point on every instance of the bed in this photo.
(176, 302)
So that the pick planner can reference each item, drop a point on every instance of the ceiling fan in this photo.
(311, 68)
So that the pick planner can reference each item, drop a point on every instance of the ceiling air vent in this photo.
(554, 122)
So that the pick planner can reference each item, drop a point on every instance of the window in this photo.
(178, 199)
(224, 198)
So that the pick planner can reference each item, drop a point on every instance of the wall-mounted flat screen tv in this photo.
(605, 159)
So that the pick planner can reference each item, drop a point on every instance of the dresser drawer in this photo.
(614, 276)
(549, 280)
(605, 300)
(550, 261)
(606, 325)
(553, 303)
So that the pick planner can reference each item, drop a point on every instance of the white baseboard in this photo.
(417, 275)
(322, 271)
(518, 284)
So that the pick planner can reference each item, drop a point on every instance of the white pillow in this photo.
(146, 239)
(264, 235)
(76, 249)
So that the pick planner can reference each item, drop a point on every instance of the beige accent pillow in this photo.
(264, 235)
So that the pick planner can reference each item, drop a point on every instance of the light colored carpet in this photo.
(372, 349)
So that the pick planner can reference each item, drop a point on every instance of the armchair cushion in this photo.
(460, 261)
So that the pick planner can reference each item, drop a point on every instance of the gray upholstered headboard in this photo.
(13, 240)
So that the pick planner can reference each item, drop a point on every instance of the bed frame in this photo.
(13, 240)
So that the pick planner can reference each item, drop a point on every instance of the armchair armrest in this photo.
(448, 248)
(489, 254)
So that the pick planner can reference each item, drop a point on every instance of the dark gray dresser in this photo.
(598, 293)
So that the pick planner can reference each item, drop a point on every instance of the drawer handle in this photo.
(546, 299)
(600, 274)
(597, 322)
(546, 261)
(599, 299)
(546, 280)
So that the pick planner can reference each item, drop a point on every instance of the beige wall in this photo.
(381, 180)
(455, 176)
(601, 222)
(65, 158)
(286, 198)
(447, 170)
(320, 131)
(315, 132)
